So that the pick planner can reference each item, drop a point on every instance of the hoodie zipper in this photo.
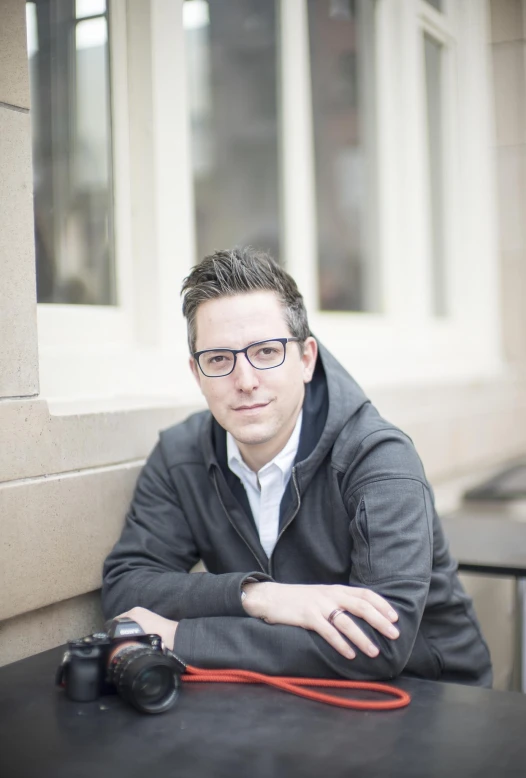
(363, 516)
(295, 482)
(365, 531)
(234, 526)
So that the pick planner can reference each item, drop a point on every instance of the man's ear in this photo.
(308, 358)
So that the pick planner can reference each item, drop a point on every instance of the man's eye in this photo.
(266, 351)
(214, 360)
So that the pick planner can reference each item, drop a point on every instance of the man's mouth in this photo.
(253, 407)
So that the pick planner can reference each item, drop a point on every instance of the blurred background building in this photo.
(376, 147)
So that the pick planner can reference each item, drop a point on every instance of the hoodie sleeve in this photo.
(149, 565)
(390, 520)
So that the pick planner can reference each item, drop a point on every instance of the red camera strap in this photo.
(296, 686)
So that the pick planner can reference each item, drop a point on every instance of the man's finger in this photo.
(344, 624)
(376, 600)
(334, 638)
(370, 614)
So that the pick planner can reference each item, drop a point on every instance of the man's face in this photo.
(258, 407)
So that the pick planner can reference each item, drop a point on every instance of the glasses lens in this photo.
(271, 353)
(216, 363)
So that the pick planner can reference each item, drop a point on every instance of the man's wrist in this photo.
(255, 599)
(244, 584)
(244, 592)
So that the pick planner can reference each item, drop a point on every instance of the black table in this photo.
(489, 545)
(493, 544)
(224, 731)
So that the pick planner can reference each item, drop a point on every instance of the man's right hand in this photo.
(309, 606)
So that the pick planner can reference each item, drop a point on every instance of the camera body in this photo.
(124, 660)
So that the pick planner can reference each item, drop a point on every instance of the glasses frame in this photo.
(197, 355)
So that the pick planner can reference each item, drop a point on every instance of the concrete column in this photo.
(508, 44)
(18, 326)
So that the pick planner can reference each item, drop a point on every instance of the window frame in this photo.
(140, 348)
(65, 325)
(137, 346)
(407, 343)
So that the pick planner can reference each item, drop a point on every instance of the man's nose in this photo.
(245, 375)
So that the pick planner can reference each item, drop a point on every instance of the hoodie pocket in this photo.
(360, 535)
(392, 524)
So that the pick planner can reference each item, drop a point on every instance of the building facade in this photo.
(377, 148)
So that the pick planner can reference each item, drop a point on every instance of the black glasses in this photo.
(263, 355)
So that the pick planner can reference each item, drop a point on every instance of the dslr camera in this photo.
(123, 660)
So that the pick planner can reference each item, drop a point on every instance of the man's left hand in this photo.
(153, 624)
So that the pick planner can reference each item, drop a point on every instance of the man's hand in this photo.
(153, 624)
(310, 606)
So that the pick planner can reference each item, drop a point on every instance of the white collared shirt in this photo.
(266, 487)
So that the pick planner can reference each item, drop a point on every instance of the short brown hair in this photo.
(227, 273)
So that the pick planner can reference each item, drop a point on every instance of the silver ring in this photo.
(336, 612)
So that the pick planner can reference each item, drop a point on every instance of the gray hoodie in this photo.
(358, 510)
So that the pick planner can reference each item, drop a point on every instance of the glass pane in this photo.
(343, 86)
(433, 61)
(32, 29)
(90, 8)
(231, 51)
(72, 163)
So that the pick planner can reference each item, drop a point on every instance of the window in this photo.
(383, 226)
(417, 117)
(349, 137)
(342, 64)
(72, 151)
(123, 335)
(231, 64)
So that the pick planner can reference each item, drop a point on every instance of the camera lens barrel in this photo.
(145, 678)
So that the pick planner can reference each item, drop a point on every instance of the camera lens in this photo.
(145, 678)
(151, 684)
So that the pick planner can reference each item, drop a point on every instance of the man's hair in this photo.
(241, 270)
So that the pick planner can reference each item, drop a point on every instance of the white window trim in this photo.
(137, 347)
(406, 344)
(88, 324)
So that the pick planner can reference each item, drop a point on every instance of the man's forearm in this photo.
(252, 644)
(175, 595)
(285, 649)
(288, 649)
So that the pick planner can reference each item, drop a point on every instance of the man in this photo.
(312, 514)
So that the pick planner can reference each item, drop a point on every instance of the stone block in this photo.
(56, 533)
(506, 18)
(511, 195)
(513, 291)
(49, 627)
(36, 442)
(509, 90)
(14, 73)
(18, 341)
